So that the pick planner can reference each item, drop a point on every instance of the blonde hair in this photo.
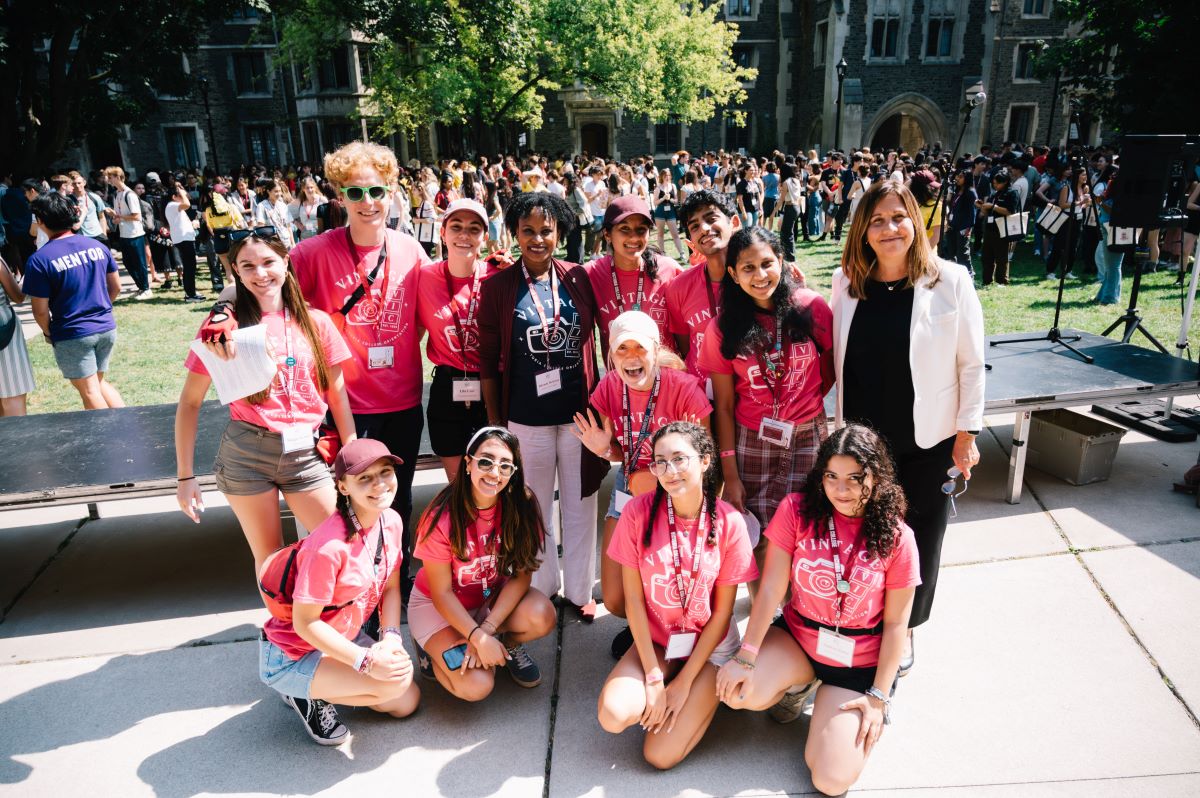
(361, 155)
(858, 259)
(115, 171)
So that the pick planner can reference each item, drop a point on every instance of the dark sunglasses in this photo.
(357, 193)
(265, 231)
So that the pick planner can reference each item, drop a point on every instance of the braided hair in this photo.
(702, 442)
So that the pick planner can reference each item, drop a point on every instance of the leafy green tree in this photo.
(1133, 64)
(491, 62)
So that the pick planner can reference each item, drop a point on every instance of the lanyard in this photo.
(637, 298)
(461, 324)
(290, 363)
(537, 305)
(380, 554)
(697, 551)
(712, 299)
(631, 447)
(773, 365)
(841, 584)
(366, 280)
(490, 571)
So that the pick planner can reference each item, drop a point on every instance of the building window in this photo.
(737, 137)
(739, 8)
(312, 142)
(820, 42)
(334, 71)
(260, 144)
(250, 73)
(1024, 62)
(668, 136)
(939, 35)
(365, 66)
(245, 13)
(337, 134)
(182, 151)
(885, 29)
(1036, 8)
(1020, 123)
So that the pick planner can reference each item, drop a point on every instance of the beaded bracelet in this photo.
(391, 630)
(744, 663)
(367, 661)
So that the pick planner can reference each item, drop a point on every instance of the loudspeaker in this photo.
(1150, 189)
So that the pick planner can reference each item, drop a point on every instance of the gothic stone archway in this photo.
(908, 120)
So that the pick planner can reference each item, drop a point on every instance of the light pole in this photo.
(837, 132)
(212, 138)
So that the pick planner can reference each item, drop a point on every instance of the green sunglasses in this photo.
(359, 193)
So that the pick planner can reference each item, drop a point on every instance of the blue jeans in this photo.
(815, 216)
(1108, 264)
(133, 252)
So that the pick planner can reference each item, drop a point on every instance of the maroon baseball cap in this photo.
(927, 177)
(358, 455)
(622, 208)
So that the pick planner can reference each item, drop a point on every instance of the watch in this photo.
(877, 694)
(974, 432)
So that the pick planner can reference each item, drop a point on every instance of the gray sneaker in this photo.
(791, 706)
(521, 667)
(320, 720)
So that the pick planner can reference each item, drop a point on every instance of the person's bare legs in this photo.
(258, 516)
(660, 225)
(612, 591)
(13, 405)
(674, 228)
(780, 665)
(623, 697)
(665, 750)
(90, 393)
(472, 684)
(312, 507)
(338, 683)
(834, 759)
(111, 395)
(450, 465)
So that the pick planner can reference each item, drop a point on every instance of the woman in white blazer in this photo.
(908, 353)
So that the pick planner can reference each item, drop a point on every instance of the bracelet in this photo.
(473, 631)
(360, 659)
(368, 661)
(654, 677)
(485, 627)
(728, 453)
(743, 662)
(749, 648)
(391, 630)
(184, 479)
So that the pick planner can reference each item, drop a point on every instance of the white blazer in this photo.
(945, 352)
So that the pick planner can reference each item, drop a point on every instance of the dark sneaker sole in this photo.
(330, 741)
(526, 684)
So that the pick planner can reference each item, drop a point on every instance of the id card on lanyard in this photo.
(467, 389)
(637, 298)
(831, 643)
(296, 437)
(682, 641)
(773, 429)
(630, 446)
(550, 380)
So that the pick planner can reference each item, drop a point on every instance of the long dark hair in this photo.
(741, 332)
(885, 504)
(649, 254)
(703, 444)
(522, 534)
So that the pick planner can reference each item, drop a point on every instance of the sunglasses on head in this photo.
(265, 231)
(359, 193)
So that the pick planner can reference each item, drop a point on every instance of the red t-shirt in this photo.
(807, 372)
(729, 562)
(304, 404)
(813, 592)
(435, 315)
(679, 395)
(654, 295)
(481, 564)
(689, 311)
(386, 316)
(331, 570)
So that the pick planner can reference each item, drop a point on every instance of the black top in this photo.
(532, 354)
(876, 374)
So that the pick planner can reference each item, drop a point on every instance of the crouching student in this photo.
(683, 552)
(344, 570)
(851, 562)
(480, 542)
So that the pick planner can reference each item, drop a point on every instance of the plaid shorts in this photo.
(769, 472)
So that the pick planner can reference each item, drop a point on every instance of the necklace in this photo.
(894, 284)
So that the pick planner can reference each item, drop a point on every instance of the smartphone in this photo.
(453, 657)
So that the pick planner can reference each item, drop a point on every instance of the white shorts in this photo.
(424, 620)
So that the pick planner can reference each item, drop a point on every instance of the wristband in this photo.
(654, 677)
(184, 479)
(391, 630)
(750, 649)
(728, 453)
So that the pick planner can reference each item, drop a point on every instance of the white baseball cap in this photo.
(469, 206)
(636, 325)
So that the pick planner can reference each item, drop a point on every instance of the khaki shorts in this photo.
(251, 460)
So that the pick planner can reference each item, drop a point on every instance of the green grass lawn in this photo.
(154, 334)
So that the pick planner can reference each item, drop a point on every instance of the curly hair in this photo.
(884, 502)
(741, 332)
(361, 155)
(551, 205)
(702, 199)
(702, 442)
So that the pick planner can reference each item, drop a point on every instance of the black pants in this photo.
(956, 246)
(995, 256)
(166, 259)
(575, 245)
(921, 473)
(787, 231)
(1089, 238)
(1064, 240)
(186, 252)
(843, 210)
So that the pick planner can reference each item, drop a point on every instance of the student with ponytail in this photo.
(683, 553)
(480, 542)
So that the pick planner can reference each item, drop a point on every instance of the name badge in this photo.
(466, 390)
(380, 357)
(836, 647)
(548, 381)
(680, 645)
(708, 389)
(772, 430)
(622, 500)
(297, 438)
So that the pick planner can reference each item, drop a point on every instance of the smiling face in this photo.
(537, 236)
(709, 229)
(373, 488)
(635, 364)
(757, 272)
(847, 485)
(890, 232)
(464, 235)
(486, 485)
(687, 481)
(263, 271)
(629, 237)
(368, 215)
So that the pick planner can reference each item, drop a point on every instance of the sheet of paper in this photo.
(248, 373)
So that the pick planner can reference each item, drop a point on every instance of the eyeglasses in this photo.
(359, 193)
(677, 464)
(950, 484)
(487, 464)
(265, 231)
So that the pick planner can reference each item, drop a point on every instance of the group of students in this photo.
(712, 409)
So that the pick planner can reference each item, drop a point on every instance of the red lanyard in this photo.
(840, 583)
(290, 363)
(367, 280)
(537, 305)
(489, 570)
(637, 298)
(697, 552)
(774, 364)
(461, 325)
(712, 299)
(632, 448)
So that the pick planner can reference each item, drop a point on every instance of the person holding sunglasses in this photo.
(683, 552)
(847, 564)
(480, 541)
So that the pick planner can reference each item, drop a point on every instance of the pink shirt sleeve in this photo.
(710, 352)
(691, 400)
(317, 573)
(435, 546)
(606, 396)
(784, 525)
(904, 569)
(626, 544)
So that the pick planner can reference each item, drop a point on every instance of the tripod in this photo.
(1131, 318)
(974, 101)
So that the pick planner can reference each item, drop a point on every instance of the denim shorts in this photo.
(289, 676)
(618, 484)
(82, 357)
(251, 460)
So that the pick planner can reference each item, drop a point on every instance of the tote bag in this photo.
(1051, 219)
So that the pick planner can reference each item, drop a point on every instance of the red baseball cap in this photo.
(358, 455)
(622, 208)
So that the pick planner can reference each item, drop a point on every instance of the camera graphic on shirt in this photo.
(797, 363)
(664, 591)
(540, 342)
(470, 338)
(479, 569)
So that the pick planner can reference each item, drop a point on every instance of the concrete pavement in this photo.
(1061, 661)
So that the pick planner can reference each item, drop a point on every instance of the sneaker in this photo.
(791, 706)
(521, 667)
(195, 298)
(143, 294)
(1071, 276)
(425, 664)
(1037, 252)
(622, 643)
(320, 720)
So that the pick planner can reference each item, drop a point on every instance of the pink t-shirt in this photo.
(807, 373)
(386, 316)
(729, 562)
(434, 314)
(813, 592)
(303, 404)
(654, 295)
(481, 565)
(689, 311)
(331, 571)
(679, 395)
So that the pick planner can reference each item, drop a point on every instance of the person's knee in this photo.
(475, 685)
(831, 778)
(401, 699)
(542, 617)
(659, 755)
(615, 711)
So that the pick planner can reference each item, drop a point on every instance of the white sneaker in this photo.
(144, 294)
(791, 706)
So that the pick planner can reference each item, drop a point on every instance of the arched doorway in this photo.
(593, 139)
(899, 131)
(908, 120)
